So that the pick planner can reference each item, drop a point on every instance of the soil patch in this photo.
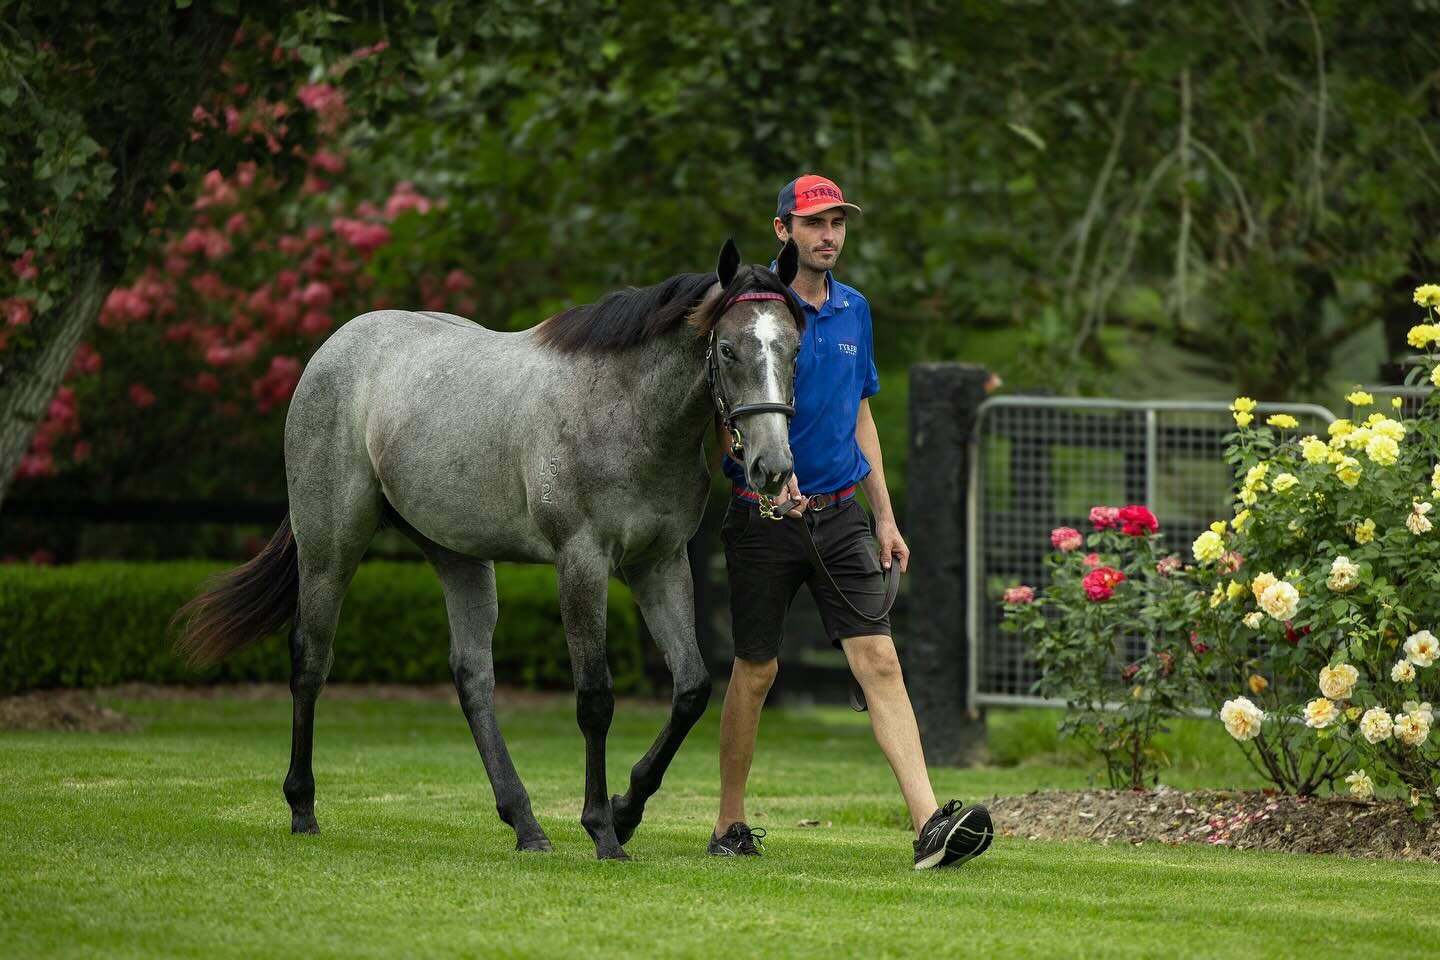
(1245, 820)
(75, 710)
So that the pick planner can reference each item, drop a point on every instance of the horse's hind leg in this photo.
(470, 600)
(330, 540)
(665, 595)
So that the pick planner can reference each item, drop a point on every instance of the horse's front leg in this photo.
(665, 595)
(583, 581)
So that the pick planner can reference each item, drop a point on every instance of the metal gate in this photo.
(1043, 462)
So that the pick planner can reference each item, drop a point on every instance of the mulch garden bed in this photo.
(1244, 820)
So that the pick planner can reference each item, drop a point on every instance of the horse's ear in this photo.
(788, 263)
(729, 263)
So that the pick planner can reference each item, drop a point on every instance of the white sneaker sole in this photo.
(970, 836)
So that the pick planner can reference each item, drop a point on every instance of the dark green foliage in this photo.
(95, 624)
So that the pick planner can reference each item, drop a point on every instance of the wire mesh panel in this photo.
(1043, 462)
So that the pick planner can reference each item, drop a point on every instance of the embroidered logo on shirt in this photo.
(848, 348)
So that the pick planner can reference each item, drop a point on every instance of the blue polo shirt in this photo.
(834, 372)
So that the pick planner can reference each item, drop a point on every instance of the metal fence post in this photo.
(944, 398)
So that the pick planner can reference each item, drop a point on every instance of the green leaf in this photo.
(1027, 134)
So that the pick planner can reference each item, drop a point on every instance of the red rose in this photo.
(1100, 583)
(1137, 521)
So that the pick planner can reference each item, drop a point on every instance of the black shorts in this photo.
(767, 561)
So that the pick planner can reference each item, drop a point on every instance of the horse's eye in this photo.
(726, 352)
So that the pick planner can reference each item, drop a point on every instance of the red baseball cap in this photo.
(810, 194)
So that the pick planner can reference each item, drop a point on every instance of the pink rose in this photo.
(1229, 563)
(1167, 565)
(1103, 518)
(1066, 539)
(1019, 595)
(1092, 560)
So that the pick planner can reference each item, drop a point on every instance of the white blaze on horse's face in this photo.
(769, 332)
(759, 349)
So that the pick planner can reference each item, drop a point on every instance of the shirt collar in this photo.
(828, 307)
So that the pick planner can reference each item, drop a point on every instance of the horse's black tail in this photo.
(241, 605)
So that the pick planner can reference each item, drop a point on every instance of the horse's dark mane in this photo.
(636, 315)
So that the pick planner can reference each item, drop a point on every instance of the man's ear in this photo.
(788, 263)
(729, 263)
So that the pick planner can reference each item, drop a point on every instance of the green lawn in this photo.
(174, 841)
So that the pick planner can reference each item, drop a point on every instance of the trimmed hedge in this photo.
(94, 624)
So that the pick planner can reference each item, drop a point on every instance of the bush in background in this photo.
(1107, 592)
(95, 624)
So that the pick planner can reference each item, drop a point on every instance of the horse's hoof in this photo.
(534, 845)
(304, 824)
(624, 824)
(617, 855)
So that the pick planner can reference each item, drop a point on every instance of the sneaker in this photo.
(738, 841)
(953, 835)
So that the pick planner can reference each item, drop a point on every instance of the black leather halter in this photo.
(717, 381)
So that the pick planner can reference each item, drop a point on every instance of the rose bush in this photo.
(1328, 623)
(1097, 607)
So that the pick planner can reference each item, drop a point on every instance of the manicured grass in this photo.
(174, 842)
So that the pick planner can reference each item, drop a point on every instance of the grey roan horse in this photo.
(578, 442)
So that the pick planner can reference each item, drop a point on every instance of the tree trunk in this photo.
(27, 388)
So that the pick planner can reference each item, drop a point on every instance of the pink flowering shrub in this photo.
(1085, 627)
(200, 350)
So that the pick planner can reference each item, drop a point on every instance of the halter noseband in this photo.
(717, 383)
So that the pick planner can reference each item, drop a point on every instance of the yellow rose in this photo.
(1434, 377)
(1357, 438)
(1359, 398)
(1217, 595)
(1263, 582)
(1284, 421)
(1349, 471)
(1234, 589)
(1243, 517)
(1421, 334)
(1320, 713)
(1382, 451)
(1386, 427)
(1365, 532)
(1428, 295)
(1243, 405)
(1242, 419)
(1338, 682)
(1339, 428)
(1219, 525)
(1208, 547)
(1315, 450)
(1398, 402)
(1284, 482)
(1241, 718)
(1258, 683)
